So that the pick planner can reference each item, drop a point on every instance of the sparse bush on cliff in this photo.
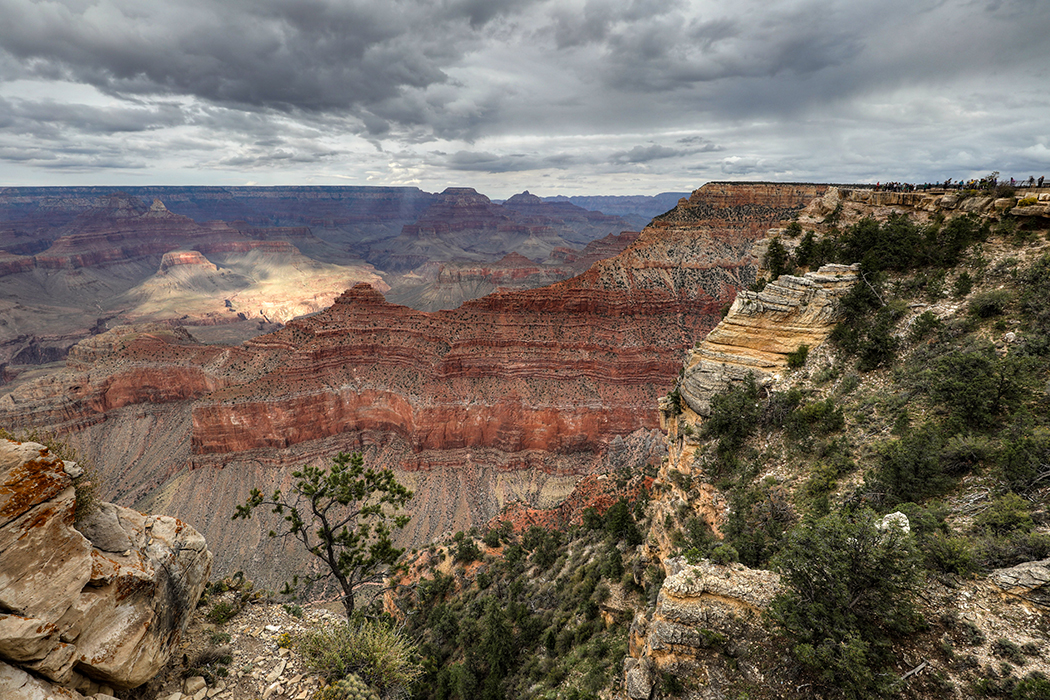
(777, 259)
(797, 357)
(734, 415)
(978, 387)
(849, 590)
(343, 515)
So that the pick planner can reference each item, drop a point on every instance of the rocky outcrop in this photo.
(706, 620)
(1029, 581)
(105, 604)
(760, 330)
(853, 203)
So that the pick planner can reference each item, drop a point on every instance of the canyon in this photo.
(509, 398)
(237, 262)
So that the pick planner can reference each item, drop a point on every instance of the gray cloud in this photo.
(578, 90)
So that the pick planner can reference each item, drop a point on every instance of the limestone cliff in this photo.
(704, 626)
(760, 330)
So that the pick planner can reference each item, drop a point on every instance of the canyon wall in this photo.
(512, 397)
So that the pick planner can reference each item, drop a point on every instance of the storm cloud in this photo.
(612, 96)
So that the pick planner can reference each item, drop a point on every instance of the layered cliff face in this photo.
(761, 329)
(511, 397)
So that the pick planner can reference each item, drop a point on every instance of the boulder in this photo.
(16, 684)
(1030, 581)
(107, 603)
(705, 614)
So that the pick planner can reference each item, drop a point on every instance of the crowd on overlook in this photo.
(989, 182)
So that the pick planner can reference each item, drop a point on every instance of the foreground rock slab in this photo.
(102, 606)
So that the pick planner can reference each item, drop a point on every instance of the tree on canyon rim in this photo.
(343, 515)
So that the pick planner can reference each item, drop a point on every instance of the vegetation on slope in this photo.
(932, 401)
(538, 614)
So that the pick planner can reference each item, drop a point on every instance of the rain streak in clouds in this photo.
(560, 96)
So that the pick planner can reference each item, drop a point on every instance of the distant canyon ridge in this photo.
(236, 261)
(489, 353)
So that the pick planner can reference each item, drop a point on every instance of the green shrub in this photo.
(734, 414)
(759, 518)
(1034, 686)
(620, 525)
(963, 285)
(970, 635)
(776, 259)
(996, 552)
(1005, 649)
(1024, 458)
(491, 538)
(380, 655)
(797, 358)
(1006, 514)
(293, 610)
(222, 612)
(349, 688)
(724, 554)
(671, 684)
(878, 346)
(818, 417)
(910, 469)
(848, 590)
(1034, 299)
(990, 303)
(964, 452)
(949, 554)
(467, 550)
(977, 386)
(592, 519)
(924, 325)
(850, 382)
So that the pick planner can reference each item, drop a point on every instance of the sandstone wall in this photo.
(760, 330)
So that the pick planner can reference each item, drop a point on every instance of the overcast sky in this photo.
(556, 96)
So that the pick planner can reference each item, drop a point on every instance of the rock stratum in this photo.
(90, 608)
(762, 328)
(510, 397)
(74, 261)
(122, 261)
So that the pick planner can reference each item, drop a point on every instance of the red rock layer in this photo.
(598, 491)
(551, 370)
(560, 369)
